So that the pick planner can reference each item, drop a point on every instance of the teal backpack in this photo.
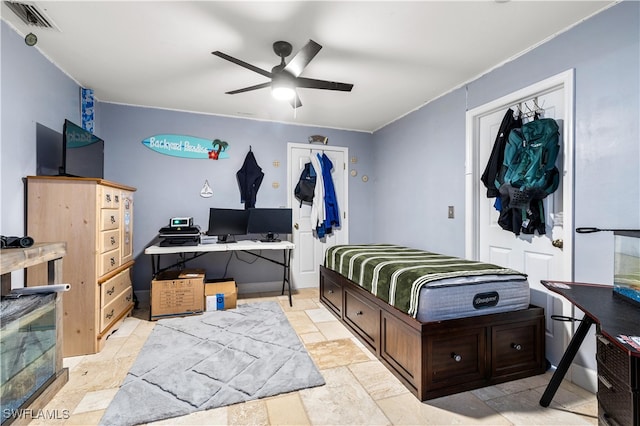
(529, 169)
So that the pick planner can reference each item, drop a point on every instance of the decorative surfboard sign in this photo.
(187, 146)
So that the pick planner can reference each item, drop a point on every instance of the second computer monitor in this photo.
(227, 222)
(270, 223)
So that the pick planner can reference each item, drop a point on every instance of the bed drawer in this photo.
(456, 357)
(331, 293)
(515, 347)
(363, 316)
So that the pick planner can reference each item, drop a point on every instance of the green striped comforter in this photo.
(396, 274)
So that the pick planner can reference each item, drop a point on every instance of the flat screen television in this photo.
(48, 151)
(271, 223)
(226, 223)
(83, 152)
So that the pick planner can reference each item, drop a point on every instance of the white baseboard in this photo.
(584, 377)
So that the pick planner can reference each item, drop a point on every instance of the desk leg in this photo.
(287, 273)
(566, 361)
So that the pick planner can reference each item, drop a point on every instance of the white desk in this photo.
(188, 253)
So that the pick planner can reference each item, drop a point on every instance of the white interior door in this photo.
(535, 255)
(309, 251)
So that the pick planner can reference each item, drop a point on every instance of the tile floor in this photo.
(359, 390)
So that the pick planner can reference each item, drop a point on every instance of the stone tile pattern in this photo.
(359, 389)
(212, 360)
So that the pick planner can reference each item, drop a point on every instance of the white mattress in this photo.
(472, 296)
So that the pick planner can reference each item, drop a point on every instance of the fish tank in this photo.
(626, 275)
(27, 350)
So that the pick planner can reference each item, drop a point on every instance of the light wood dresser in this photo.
(95, 218)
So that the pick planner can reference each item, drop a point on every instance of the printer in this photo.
(180, 232)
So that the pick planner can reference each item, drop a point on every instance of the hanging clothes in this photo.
(492, 169)
(332, 212)
(249, 179)
(317, 208)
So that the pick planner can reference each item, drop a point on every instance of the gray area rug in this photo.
(211, 360)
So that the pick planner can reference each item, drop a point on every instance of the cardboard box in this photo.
(220, 294)
(177, 293)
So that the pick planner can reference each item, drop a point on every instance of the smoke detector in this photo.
(31, 15)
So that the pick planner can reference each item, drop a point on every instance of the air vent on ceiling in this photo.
(31, 15)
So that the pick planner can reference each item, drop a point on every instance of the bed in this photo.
(441, 324)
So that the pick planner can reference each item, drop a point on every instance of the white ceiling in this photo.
(398, 55)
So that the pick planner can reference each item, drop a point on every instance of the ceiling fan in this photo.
(285, 77)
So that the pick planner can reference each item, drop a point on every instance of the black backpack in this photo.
(306, 185)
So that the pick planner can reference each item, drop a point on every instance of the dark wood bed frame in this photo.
(439, 358)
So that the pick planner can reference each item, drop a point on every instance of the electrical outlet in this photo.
(450, 214)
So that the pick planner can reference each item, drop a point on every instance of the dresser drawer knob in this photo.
(359, 313)
(330, 292)
(516, 346)
(456, 357)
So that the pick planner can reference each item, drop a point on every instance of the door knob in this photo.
(296, 226)
(557, 243)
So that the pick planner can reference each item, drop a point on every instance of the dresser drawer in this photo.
(110, 240)
(111, 311)
(365, 318)
(457, 358)
(109, 219)
(615, 399)
(108, 262)
(109, 290)
(105, 195)
(617, 363)
(515, 347)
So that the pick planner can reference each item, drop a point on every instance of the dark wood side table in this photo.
(618, 354)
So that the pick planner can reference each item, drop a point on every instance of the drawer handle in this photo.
(516, 346)
(604, 340)
(330, 292)
(113, 219)
(456, 357)
(117, 198)
(110, 292)
(113, 240)
(359, 313)
(109, 315)
(607, 384)
(108, 198)
(112, 260)
(128, 298)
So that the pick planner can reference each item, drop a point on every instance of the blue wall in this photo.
(429, 144)
(170, 186)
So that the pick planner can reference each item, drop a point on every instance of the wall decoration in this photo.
(354, 172)
(206, 191)
(187, 146)
(87, 109)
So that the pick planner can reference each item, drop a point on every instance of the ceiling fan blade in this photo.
(302, 58)
(241, 63)
(323, 84)
(295, 102)
(247, 89)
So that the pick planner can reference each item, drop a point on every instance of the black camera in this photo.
(15, 242)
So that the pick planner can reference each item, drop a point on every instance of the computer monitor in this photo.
(227, 222)
(270, 223)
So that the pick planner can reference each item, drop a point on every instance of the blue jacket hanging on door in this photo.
(249, 180)
(332, 214)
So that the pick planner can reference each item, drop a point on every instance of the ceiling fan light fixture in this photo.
(283, 93)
